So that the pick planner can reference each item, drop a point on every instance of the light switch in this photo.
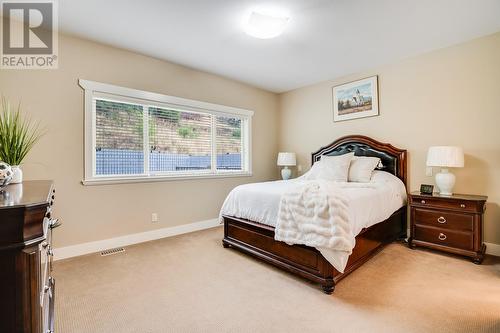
(154, 217)
(428, 171)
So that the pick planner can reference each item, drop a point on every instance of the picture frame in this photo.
(426, 189)
(356, 99)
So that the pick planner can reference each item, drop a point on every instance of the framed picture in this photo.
(426, 189)
(356, 99)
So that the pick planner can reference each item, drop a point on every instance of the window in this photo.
(228, 142)
(179, 141)
(133, 135)
(118, 138)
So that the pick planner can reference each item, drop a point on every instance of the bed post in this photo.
(328, 289)
(224, 243)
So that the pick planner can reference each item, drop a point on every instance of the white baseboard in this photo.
(97, 246)
(493, 249)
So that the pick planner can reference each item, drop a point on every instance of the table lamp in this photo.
(445, 157)
(286, 159)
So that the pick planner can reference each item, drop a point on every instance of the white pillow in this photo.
(361, 168)
(333, 168)
(314, 172)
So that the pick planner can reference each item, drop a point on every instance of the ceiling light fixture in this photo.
(264, 25)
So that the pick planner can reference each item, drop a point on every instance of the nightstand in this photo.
(452, 224)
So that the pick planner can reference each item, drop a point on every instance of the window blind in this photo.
(229, 143)
(119, 138)
(179, 140)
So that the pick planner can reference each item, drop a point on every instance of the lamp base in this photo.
(286, 173)
(445, 181)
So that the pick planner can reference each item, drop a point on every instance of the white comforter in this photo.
(367, 204)
(316, 215)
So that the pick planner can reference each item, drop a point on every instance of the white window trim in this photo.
(95, 89)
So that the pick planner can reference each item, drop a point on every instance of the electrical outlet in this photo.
(299, 168)
(428, 171)
(154, 218)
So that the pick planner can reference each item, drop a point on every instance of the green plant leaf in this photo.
(17, 135)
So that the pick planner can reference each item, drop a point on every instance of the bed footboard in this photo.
(258, 240)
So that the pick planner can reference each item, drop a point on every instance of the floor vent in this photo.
(112, 251)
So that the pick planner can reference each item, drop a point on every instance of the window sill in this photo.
(157, 178)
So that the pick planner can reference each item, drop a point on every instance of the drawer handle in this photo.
(423, 201)
(441, 220)
(442, 236)
(44, 244)
(54, 223)
(462, 205)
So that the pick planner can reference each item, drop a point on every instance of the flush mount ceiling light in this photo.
(264, 25)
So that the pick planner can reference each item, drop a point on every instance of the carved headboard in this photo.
(393, 159)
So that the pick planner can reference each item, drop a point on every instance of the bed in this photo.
(257, 238)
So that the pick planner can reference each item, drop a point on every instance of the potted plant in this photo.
(17, 137)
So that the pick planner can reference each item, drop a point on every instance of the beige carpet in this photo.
(190, 283)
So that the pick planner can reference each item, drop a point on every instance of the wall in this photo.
(447, 97)
(92, 213)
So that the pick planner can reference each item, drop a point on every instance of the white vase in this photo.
(286, 173)
(445, 181)
(17, 176)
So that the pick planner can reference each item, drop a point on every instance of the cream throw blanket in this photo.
(316, 215)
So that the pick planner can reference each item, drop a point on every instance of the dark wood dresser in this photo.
(28, 290)
(448, 223)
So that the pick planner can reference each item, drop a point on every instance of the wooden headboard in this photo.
(393, 159)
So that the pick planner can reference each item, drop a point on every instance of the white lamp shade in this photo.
(286, 159)
(445, 156)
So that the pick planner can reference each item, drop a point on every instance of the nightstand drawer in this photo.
(461, 205)
(462, 240)
(444, 219)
